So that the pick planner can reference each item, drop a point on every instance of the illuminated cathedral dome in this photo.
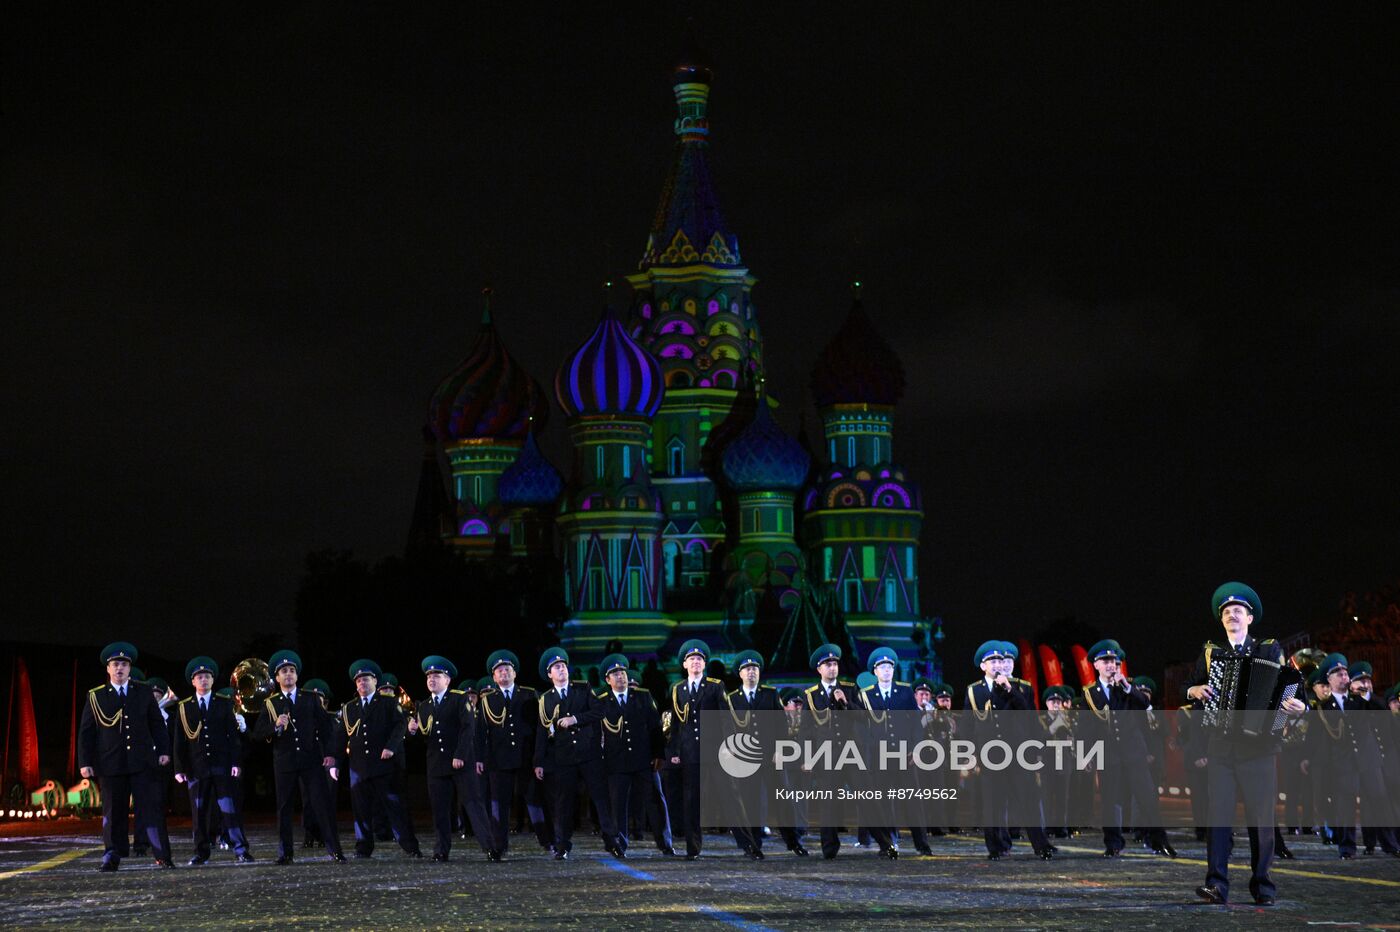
(609, 374)
(857, 366)
(764, 458)
(488, 394)
(531, 480)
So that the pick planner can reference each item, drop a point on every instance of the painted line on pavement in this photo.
(720, 915)
(60, 858)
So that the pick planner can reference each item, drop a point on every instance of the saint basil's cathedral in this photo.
(687, 511)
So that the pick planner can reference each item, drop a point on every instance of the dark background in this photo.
(1139, 264)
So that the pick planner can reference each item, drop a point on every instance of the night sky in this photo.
(1140, 267)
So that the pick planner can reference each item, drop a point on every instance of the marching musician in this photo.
(883, 697)
(505, 749)
(123, 736)
(302, 733)
(208, 752)
(632, 750)
(1236, 763)
(753, 696)
(371, 735)
(568, 748)
(445, 721)
(689, 697)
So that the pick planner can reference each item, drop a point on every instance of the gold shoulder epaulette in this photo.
(711, 679)
(97, 688)
(457, 692)
(766, 686)
(814, 686)
(528, 689)
(866, 689)
(900, 683)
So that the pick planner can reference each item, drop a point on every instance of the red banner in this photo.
(28, 729)
(1081, 663)
(1028, 671)
(1054, 676)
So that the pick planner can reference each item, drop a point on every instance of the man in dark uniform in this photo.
(159, 776)
(883, 697)
(445, 720)
(123, 736)
(1236, 763)
(829, 701)
(753, 696)
(208, 751)
(689, 697)
(1119, 718)
(569, 748)
(990, 699)
(632, 750)
(311, 831)
(505, 748)
(1377, 817)
(303, 737)
(371, 735)
(1058, 725)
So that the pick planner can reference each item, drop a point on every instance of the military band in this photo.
(488, 742)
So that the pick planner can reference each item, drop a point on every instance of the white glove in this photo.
(242, 722)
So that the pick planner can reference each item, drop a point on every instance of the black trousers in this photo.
(752, 836)
(690, 806)
(998, 788)
(1120, 786)
(316, 798)
(1256, 781)
(118, 792)
(210, 794)
(562, 783)
(153, 816)
(462, 789)
(501, 786)
(365, 793)
(637, 795)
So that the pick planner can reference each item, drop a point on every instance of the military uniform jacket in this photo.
(1338, 744)
(1240, 746)
(505, 731)
(1124, 735)
(366, 730)
(446, 729)
(309, 737)
(882, 725)
(120, 736)
(824, 718)
(577, 744)
(206, 743)
(632, 736)
(765, 699)
(685, 718)
(984, 702)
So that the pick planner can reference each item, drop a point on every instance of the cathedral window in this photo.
(599, 463)
(675, 457)
(627, 462)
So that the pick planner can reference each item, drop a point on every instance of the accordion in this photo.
(1248, 692)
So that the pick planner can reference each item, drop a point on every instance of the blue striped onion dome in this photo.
(764, 458)
(609, 374)
(531, 479)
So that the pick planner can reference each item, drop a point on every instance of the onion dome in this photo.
(763, 458)
(531, 480)
(609, 374)
(488, 394)
(857, 366)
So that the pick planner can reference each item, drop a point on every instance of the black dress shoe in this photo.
(308, 842)
(755, 853)
(109, 864)
(925, 850)
(1370, 850)
(798, 850)
(1282, 851)
(1166, 850)
(1211, 894)
(244, 858)
(363, 855)
(1265, 900)
(196, 861)
(692, 857)
(415, 853)
(995, 855)
(1111, 852)
(1046, 854)
(493, 855)
(284, 859)
(891, 852)
(1348, 855)
(165, 862)
(562, 854)
(339, 857)
(439, 857)
(668, 851)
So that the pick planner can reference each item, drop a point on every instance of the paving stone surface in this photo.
(50, 879)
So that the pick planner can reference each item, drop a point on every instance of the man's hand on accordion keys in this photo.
(1293, 706)
(1200, 693)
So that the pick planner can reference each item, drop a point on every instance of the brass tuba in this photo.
(1307, 660)
(252, 685)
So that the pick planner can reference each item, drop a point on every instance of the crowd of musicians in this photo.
(493, 743)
